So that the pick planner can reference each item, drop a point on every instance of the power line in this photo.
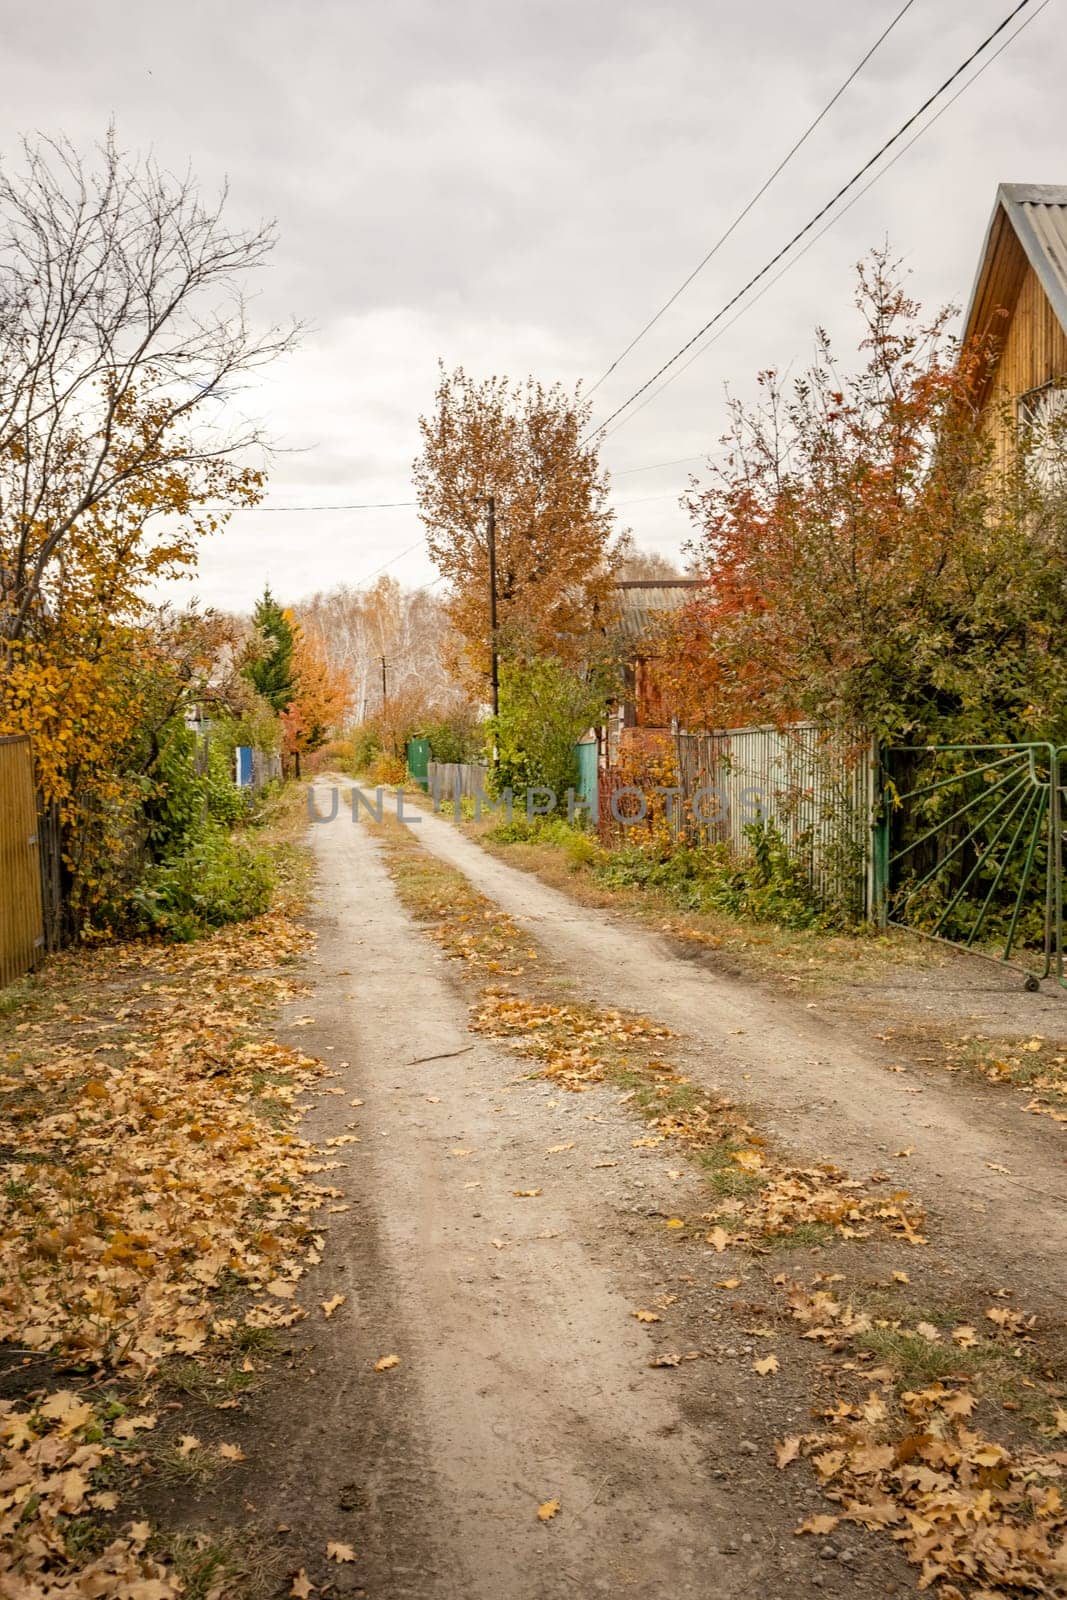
(363, 505)
(680, 461)
(390, 563)
(835, 219)
(813, 221)
(760, 192)
(686, 460)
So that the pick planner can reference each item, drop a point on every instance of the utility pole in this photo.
(494, 675)
(385, 695)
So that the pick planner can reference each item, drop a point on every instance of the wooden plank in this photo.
(21, 918)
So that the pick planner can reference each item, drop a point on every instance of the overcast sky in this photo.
(517, 187)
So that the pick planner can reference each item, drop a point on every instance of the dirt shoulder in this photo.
(158, 1207)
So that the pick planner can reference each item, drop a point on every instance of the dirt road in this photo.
(523, 1374)
(499, 1237)
(813, 1083)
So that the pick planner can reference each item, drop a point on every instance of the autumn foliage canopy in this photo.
(869, 559)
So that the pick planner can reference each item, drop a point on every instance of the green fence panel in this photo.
(419, 761)
(587, 774)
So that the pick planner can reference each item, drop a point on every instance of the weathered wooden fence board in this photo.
(443, 777)
(815, 786)
(21, 918)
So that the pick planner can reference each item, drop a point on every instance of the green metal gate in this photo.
(968, 848)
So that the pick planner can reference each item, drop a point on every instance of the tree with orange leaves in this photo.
(523, 444)
(320, 698)
(868, 562)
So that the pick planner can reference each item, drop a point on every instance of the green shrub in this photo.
(579, 845)
(366, 746)
(545, 707)
(175, 795)
(226, 803)
(765, 884)
(460, 739)
(215, 880)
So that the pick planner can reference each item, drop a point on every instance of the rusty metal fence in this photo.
(22, 933)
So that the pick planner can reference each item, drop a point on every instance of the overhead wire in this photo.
(603, 428)
(812, 221)
(833, 220)
(750, 205)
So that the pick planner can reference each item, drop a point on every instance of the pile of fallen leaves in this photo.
(144, 1170)
(780, 1197)
(156, 1196)
(962, 1505)
(50, 1454)
(577, 1045)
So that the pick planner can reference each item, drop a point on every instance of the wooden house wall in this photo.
(1034, 352)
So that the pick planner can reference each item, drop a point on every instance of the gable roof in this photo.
(643, 603)
(1028, 228)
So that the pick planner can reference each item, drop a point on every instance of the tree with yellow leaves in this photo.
(123, 330)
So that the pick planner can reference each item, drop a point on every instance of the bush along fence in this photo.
(810, 789)
(961, 843)
(37, 891)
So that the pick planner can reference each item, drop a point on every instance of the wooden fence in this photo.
(444, 777)
(814, 786)
(21, 916)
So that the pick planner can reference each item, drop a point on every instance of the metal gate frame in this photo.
(1024, 798)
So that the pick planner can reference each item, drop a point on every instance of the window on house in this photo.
(1042, 417)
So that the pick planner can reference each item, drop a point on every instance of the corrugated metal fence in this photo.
(816, 787)
(21, 918)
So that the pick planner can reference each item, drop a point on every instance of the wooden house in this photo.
(643, 607)
(1019, 305)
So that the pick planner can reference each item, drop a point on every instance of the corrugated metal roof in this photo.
(643, 604)
(1041, 224)
(1037, 213)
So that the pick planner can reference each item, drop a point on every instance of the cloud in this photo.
(517, 187)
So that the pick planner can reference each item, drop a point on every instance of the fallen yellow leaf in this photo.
(818, 1524)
